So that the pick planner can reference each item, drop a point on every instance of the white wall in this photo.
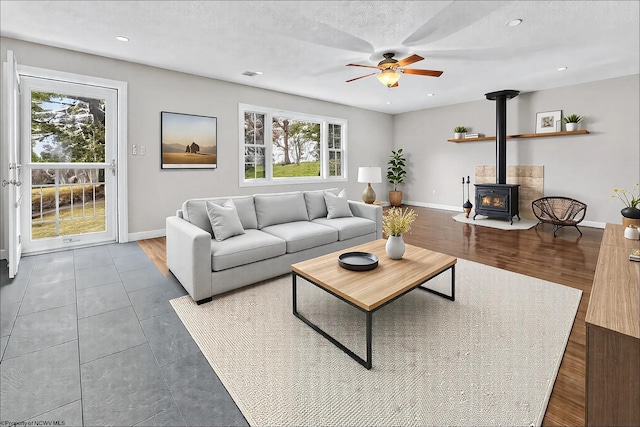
(585, 167)
(154, 193)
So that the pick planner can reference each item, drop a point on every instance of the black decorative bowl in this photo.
(358, 261)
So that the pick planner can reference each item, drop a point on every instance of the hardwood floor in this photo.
(567, 259)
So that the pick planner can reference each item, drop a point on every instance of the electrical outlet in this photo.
(143, 150)
(434, 192)
(134, 149)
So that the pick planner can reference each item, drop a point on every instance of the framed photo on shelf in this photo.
(188, 141)
(547, 121)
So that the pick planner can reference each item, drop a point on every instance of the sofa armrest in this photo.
(189, 257)
(372, 212)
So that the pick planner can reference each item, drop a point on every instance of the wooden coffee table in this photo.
(371, 290)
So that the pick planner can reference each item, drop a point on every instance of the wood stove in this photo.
(497, 200)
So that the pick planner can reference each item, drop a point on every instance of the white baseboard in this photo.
(434, 206)
(592, 224)
(151, 234)
(3, 254)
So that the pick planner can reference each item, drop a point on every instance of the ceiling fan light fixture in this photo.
(388, 77)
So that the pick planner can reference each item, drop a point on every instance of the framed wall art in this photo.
(188, 141)
(547, 122)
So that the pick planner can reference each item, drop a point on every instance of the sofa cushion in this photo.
(195, 211)
(301, 235)
(316, 206)
(252, 246)
(349, 227)
(280, 208)
(337, 206)
(224, 220)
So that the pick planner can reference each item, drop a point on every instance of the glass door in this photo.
(69, 137)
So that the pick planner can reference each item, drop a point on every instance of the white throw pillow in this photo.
(225, 221)
(337, 206)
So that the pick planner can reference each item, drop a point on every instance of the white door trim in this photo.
(122, 143)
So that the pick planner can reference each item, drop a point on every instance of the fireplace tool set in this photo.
(467, 206)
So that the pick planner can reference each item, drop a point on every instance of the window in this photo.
(281, 146)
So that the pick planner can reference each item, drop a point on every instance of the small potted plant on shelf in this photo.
(571, 122)
(395, 175)
(459, 131)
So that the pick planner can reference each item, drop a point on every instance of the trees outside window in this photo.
(279, 145)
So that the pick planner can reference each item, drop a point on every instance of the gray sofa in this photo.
(215, 245)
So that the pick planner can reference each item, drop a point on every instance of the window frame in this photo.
(268, 180)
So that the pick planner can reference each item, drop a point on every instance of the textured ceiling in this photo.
(302, 47)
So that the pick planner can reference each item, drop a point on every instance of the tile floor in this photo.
(88, 337)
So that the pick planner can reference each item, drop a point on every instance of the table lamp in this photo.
(369, 174)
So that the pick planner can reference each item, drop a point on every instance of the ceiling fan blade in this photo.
(409, 60)
(361, 77)
(394, 85)
(365, 66)
(432, 73)
(451, 19)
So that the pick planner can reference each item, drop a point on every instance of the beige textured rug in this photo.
(502, 224)
(489, 358)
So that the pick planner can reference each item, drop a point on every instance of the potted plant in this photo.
(571, 122)
(459, 131)
(631, 213)
(395, 175)
(395, 223)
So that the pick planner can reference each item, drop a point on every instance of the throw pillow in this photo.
(337, 206)
(316, 206)
(225, 221)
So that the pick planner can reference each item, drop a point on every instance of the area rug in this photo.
(502, 224)
(488, 358)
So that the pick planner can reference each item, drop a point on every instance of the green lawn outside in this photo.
(70, 226)
(286, 171)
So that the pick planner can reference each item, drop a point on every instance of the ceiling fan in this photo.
(391, 69)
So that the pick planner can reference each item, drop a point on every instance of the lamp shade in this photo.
(370, 174)
(388, 77)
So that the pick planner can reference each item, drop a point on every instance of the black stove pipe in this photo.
(501, 98)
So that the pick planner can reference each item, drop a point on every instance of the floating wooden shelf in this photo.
(522, 135)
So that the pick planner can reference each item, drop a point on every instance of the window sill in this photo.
(290, 181)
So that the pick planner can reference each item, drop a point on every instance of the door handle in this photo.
(112, 166)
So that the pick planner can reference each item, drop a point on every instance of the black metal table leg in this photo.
(366, 363)
(451, 297)
(369, 338)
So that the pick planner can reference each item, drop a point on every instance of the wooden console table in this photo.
(613, 334)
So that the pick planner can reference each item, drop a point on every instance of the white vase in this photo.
(631, 232)
(395, 247)
(571, 127)
(458, 135)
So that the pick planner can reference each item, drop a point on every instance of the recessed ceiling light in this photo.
(561, 69)
(252, 73)
(122, 38)
(514, 22)
(430, 94)
(388, 102)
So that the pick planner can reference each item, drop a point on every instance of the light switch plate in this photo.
(134, 149)
(143, 150)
